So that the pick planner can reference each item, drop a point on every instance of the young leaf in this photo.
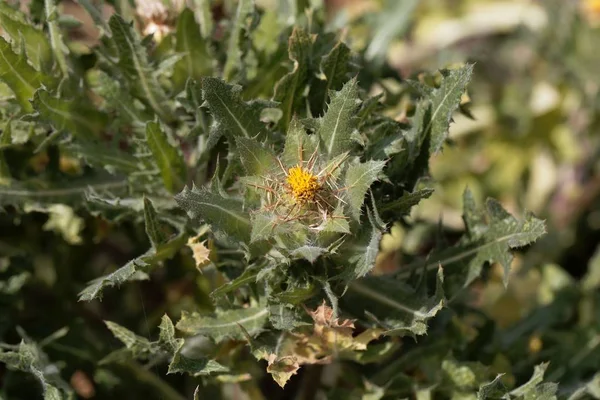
(405, 203)
(225, 214)
(133, 63)
(19, 76)
(225, 324)
(299, 146)
(289, 90)
(170, 162)
(196, 61)
(233, 117)
(337, 124)
(363, 251)
(234, 53)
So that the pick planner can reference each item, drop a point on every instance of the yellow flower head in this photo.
(303, 185)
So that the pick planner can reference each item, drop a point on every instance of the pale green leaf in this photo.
(170, 162)
(390, 24)
(203, 13)
(59, 48)
(139, 346)
(534, 388)
(337, 125)
(248, 276)
(225, 324)
(358, 180)
(263, 226)
(362, 252)
(225, 214)
(406, 202)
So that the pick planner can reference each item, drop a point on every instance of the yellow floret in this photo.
(303, 184)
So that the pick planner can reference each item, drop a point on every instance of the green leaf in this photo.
(34, 191)
(534, 388)
(444, 101)
(73, 116)
(225, 214)
(238, 24)
(406, 202)
(196, 61)
(334, 69)
(255, 157)
(179, 362)
(338, 123)
(289, 90)
(139, 346)
(135, 269)
(299, 146)
(225, 324)
(16, 25)
(153, 225)
(19, 76)
(398, 308)
(491, 234)
(170, 162)
(493, 389)
(358, 179)
(362, 252)
(248, 276)
(14, 283)
(57, 44)
(30, 358)
(133, 63)
(233, 117)
(263, 226)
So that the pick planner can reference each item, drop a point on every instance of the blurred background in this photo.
(528, 136)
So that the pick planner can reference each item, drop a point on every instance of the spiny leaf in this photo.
(30, 358)
(196, 61)
(72, 116)
(135, 269)
(20, 193)
(225, 214)
(16, 25)
(139, 346)
(133, 63)
(255, 157)
(299, 146)
(225, 324)
(248, 276)
(233, 117)
(19, 76)
(362, 252)
(534, 388)
(334, 69)
(406, 202)
(444, 101)
(492, 233)
(337, 124)
(358, 179)
(397, 307)
(153, 225)
(170, 162)
(238, 24)
(289, 90)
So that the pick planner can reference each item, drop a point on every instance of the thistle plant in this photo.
(280, 160)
